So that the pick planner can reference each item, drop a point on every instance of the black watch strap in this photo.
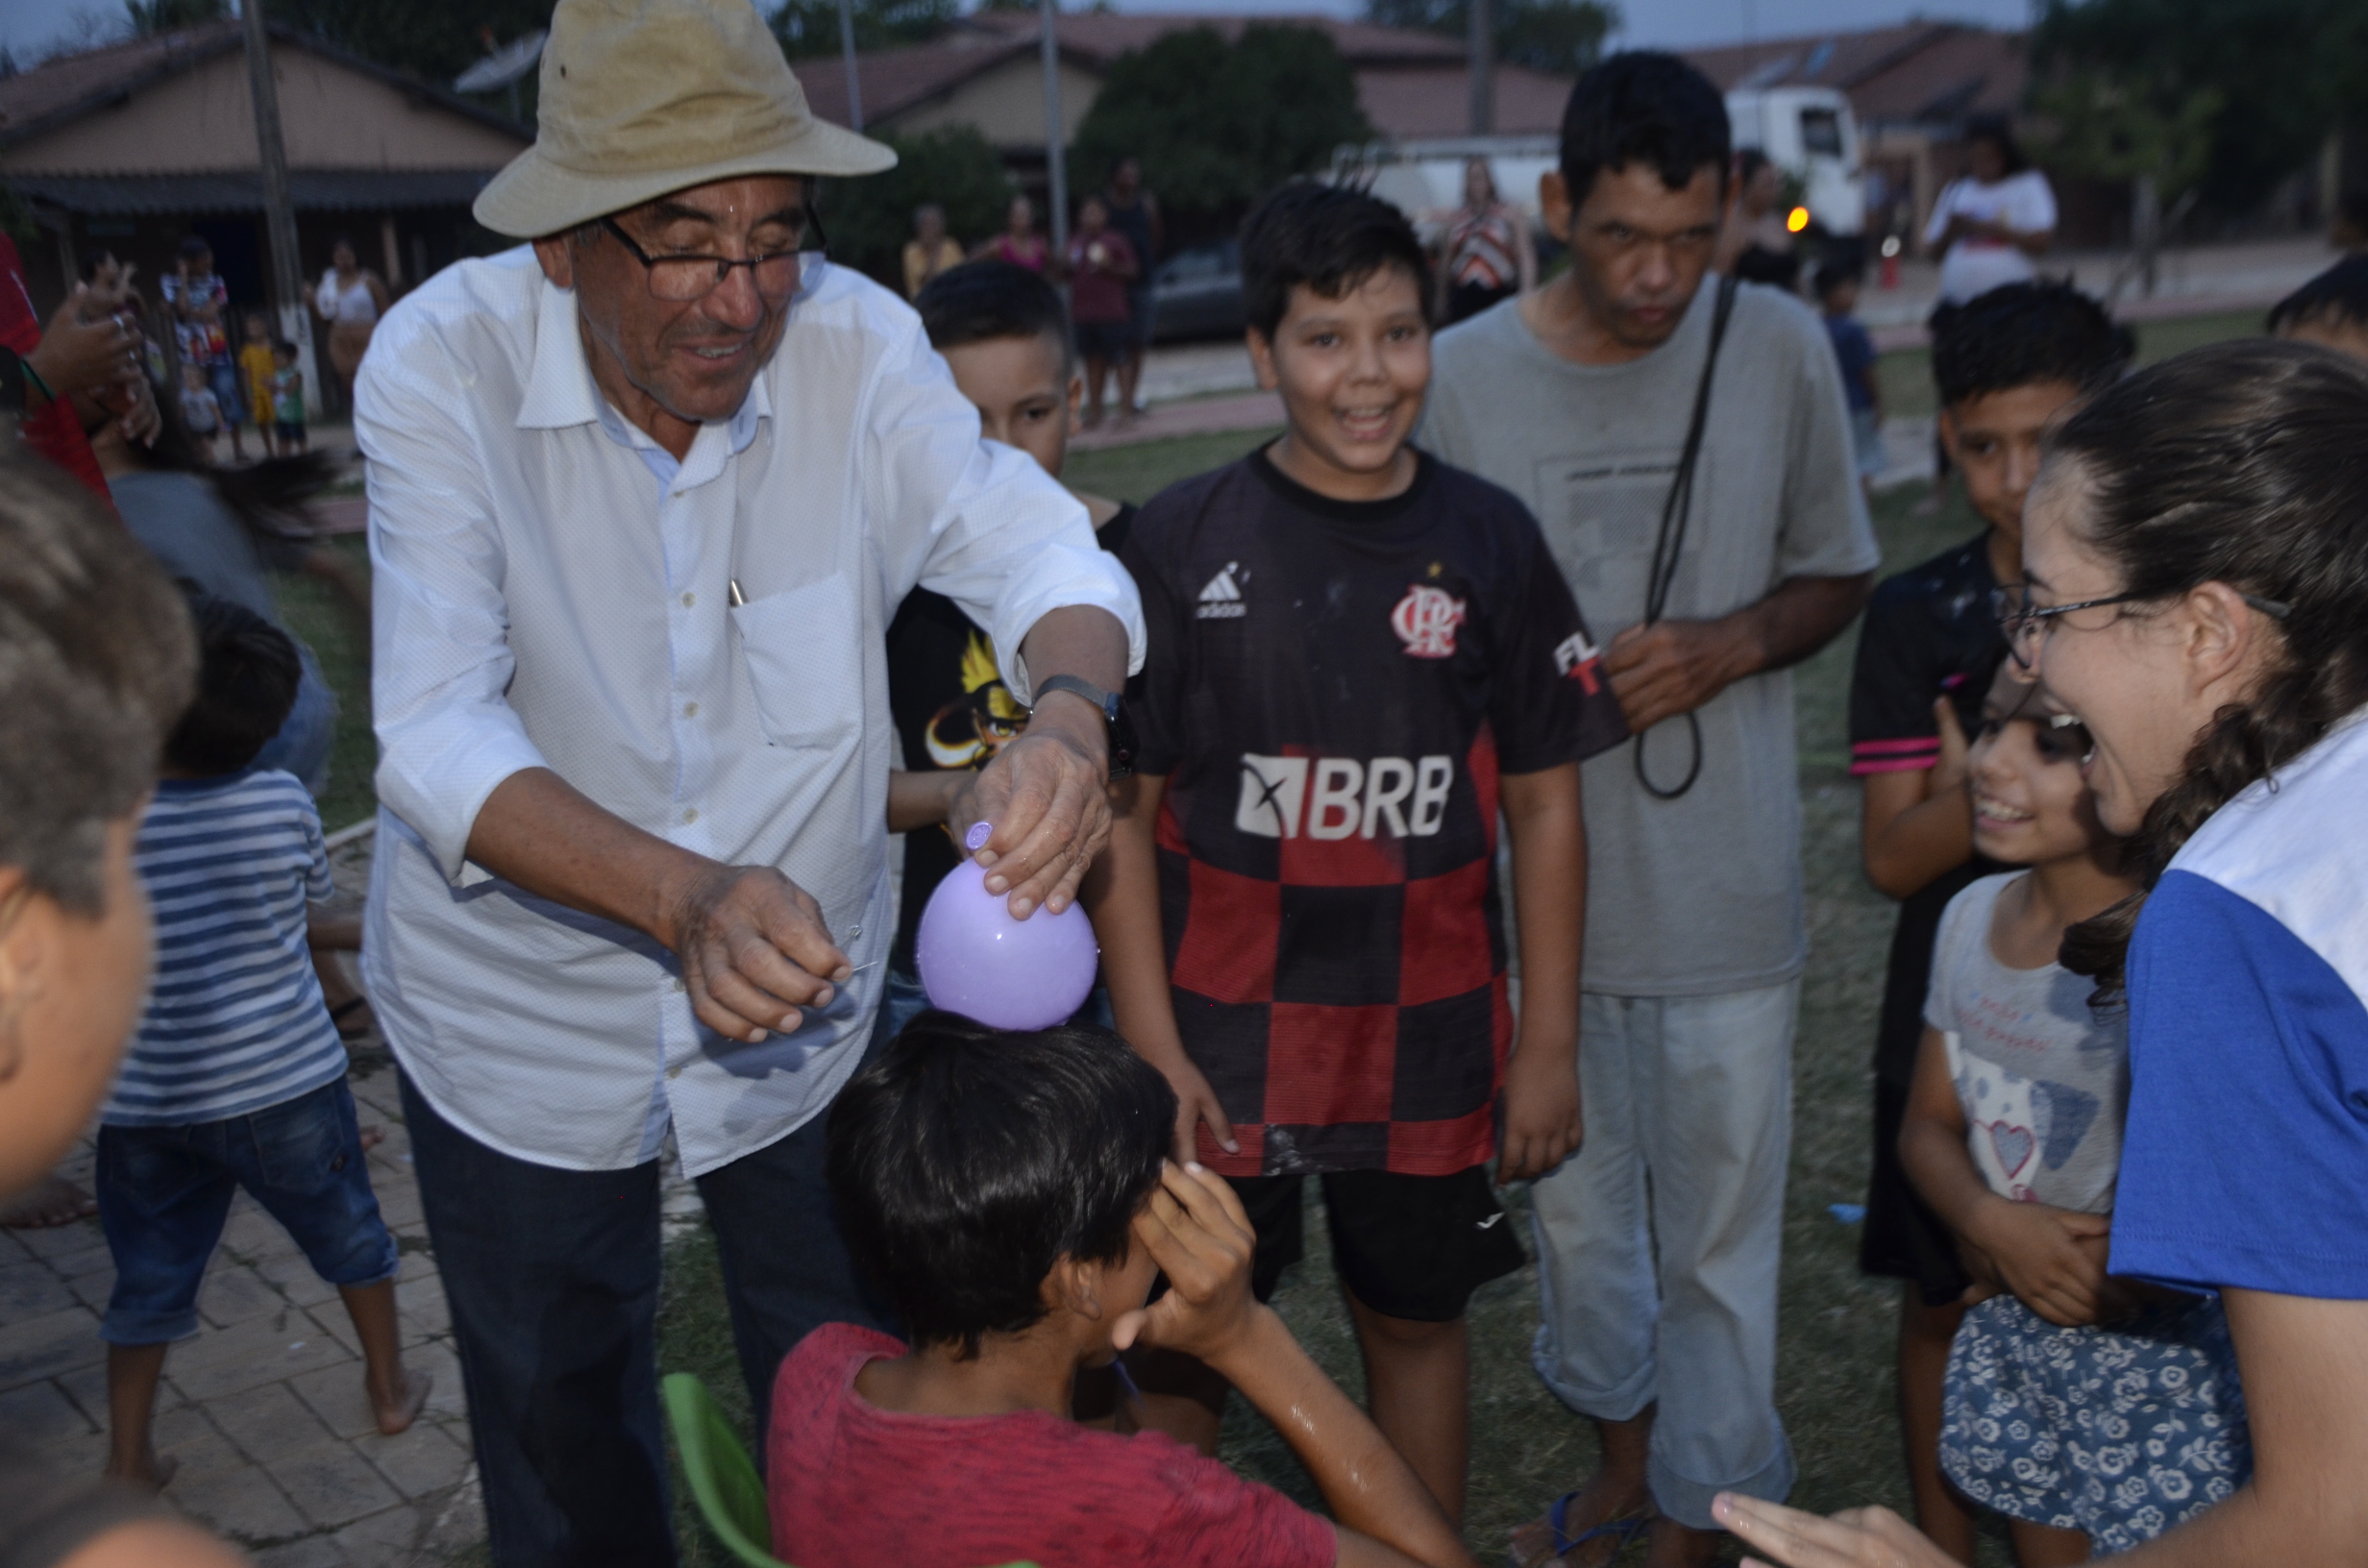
(1120, 730)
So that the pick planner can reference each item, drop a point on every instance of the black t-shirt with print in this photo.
(952, 711)
(1332, 691)
(1931, 631)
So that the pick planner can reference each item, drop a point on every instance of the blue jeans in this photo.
(1658, 1242)
(165, 1191)
(553, 1277)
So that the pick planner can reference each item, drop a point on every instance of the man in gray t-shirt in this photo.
(1658, 1241)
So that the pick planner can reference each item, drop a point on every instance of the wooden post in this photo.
(1056, 147)
(1481, 47)
(846, 54)
(278, 215)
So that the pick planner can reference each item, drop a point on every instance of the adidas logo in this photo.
(1221, 598)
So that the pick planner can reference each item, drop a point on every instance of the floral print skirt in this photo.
(2124, 1431)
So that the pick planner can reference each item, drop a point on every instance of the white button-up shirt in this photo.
(554, 591)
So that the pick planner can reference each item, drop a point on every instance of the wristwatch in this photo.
(1122, 728)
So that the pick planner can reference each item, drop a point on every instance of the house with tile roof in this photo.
(128, 148)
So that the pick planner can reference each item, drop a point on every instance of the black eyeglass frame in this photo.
(810, 229)
(2016, 617)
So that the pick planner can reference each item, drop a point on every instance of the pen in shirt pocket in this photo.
(731, 593)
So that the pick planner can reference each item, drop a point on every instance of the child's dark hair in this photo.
(2021, 334)
(2237, 463)
(94, 666)
(967, 1162)
(1329, 238)
(247, 675)
(2337, 297)
(1644, 107)
(1837, 271)
(979, 302)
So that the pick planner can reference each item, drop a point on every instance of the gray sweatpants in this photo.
(1688, 1123)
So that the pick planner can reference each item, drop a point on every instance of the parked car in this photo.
(1197, 293)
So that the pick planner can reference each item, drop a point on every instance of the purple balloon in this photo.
(975, 960)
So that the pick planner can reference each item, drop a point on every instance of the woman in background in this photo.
(350, 301)
(1488, 256)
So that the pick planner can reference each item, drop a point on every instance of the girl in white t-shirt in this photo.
(2093, 1413)
(1989, 224)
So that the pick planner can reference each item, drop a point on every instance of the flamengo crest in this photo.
(1426, 622)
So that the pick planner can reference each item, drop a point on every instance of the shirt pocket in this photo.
(804, 654)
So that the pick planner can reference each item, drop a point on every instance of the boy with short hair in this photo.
(1001, 329)
(1008, 1192)
(2009, 364)
(1854, 351)
(2330, 310)
(202, 411)
(236, 1076)
(1357, 653)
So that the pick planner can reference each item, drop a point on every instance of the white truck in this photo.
(1808, 133)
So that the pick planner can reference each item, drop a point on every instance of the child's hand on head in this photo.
(2053, 1260)
(1199, 1234)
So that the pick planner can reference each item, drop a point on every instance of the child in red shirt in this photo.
(1008, 1192)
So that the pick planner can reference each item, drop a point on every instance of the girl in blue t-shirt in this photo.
(2196, 561)
(2093, 1413)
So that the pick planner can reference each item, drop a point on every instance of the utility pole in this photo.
(279, 216)
(1056, 151)
(1482, 49)
(846, 51)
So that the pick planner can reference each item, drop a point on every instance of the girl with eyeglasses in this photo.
(2209, 518)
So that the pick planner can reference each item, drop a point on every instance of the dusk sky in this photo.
(30, 28)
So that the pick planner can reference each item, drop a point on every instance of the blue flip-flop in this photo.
(1622, 1531)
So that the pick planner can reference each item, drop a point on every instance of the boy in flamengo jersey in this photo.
(2009, 364)
(1357, 656)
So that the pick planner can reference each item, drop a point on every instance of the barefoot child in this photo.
(1356, 653)
(1008, 1191)
(236, 1077)
(2092, 1413)
(2007, 365)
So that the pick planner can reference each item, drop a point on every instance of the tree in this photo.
(1217, 125)
(432, 39)
(807, 28)
(2286, 72)
(869, 219)
(150, 17)
(1562, 37)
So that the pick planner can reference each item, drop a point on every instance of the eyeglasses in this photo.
(2019, 619)
(679, 279)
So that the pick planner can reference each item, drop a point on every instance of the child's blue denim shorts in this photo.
(165, 1194)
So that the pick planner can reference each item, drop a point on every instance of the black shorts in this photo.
(1110, 340)
(1414, 1247)
(1904, 1239)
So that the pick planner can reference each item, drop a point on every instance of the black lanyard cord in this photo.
(1671, 538)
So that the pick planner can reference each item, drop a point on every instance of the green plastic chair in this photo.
(731, 1499)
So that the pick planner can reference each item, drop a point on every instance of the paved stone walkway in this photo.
(264, 1407)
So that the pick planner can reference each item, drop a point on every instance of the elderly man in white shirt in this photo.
(644, 497)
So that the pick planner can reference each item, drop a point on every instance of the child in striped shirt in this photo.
(236, 1076)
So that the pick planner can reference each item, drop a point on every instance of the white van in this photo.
(1809, 131)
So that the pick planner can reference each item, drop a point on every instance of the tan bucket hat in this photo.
(641, 97)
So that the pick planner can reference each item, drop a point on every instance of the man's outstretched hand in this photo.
(1047, 795)
(753, 949)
